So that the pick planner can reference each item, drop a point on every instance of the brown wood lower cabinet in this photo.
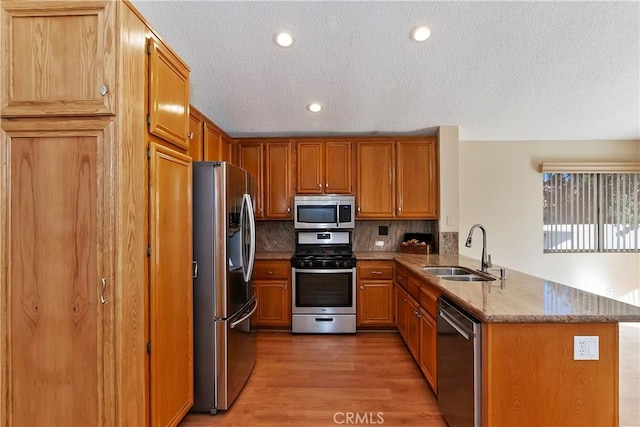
(428, 348)
(374, 299)
(529, 376)
(272, 282)
(416, 321)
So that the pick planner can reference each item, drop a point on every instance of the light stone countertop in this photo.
(519, 298)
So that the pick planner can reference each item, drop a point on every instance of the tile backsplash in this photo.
(275, 236)
(366, 234)
(279, 236)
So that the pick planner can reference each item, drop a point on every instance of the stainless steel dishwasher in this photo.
(459, 366)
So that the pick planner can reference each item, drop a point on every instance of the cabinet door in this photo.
(251, 159)
(337, 167)
(428, 349)
(196, 148)
(170, 287)
(59, 61)
(413, 328)
(375, 191)
(226, 149)
(375, 303)
(212, 142)
(168, 95)
(56, 329)
(309, 178)
(277, 185)
(417, 179)
(401, 312)
(274, 303)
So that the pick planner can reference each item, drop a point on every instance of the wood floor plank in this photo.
(320, 380)
(307, 380)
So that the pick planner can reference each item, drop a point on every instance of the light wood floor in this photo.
(306, 380)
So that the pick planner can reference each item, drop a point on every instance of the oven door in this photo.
(323, 291)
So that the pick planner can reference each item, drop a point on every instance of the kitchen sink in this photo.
(448, 271)
(458, 274)
(467, 278)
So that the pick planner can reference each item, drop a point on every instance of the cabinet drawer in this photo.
(429, 299)
(375, 271)
(413, 287)
(401, 277)
(271, 270)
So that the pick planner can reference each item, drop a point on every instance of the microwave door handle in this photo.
(337, 214)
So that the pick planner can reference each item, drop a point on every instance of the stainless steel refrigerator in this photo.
(224, 254)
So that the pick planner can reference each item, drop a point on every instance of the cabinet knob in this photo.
(399, 209)
(319, 185)
(326, 185)
(103, 90)
(358, 208)
(404, 300)
(285, 287)
(362, 287)
(288, 210)
(190, 135)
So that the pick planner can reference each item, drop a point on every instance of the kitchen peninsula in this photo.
(529, 375)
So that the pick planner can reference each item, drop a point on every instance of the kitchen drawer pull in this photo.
(269, 272)
(103, 300)
(377, 273)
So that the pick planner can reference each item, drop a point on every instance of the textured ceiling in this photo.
(498, 70)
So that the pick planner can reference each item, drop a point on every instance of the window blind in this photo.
(591, 212)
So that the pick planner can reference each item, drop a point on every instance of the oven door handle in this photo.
(326, 270)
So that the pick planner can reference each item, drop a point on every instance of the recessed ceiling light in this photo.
(314, 107)
(283, 39)
(420, 34)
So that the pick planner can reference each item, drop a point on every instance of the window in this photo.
(591, 212)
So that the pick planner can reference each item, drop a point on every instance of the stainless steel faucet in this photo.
(485, 263)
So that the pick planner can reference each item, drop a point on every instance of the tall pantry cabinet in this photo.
(87, 203)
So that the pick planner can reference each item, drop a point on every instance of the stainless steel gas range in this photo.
(324, 283)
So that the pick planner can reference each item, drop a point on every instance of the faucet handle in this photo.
(488, 260)
(503, 272)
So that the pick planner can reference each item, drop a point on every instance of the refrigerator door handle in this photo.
(247, 209)
(246, 316)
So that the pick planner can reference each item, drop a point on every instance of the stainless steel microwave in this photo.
(326, 212)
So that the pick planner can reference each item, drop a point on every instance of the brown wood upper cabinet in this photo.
(168, 95)
(397, 179)
(196, 123)
(269, 160)
(323, 166)
(278, 187)
(417, 182)
(59, 60)
(375, 179)
(250, 158)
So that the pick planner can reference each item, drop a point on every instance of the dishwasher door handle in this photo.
(454, 324)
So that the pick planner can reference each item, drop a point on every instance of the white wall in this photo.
(501, 188)
(449, 178)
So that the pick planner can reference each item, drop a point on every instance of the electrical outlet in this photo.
(586, 348)
(609, 292)
(379, 243)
